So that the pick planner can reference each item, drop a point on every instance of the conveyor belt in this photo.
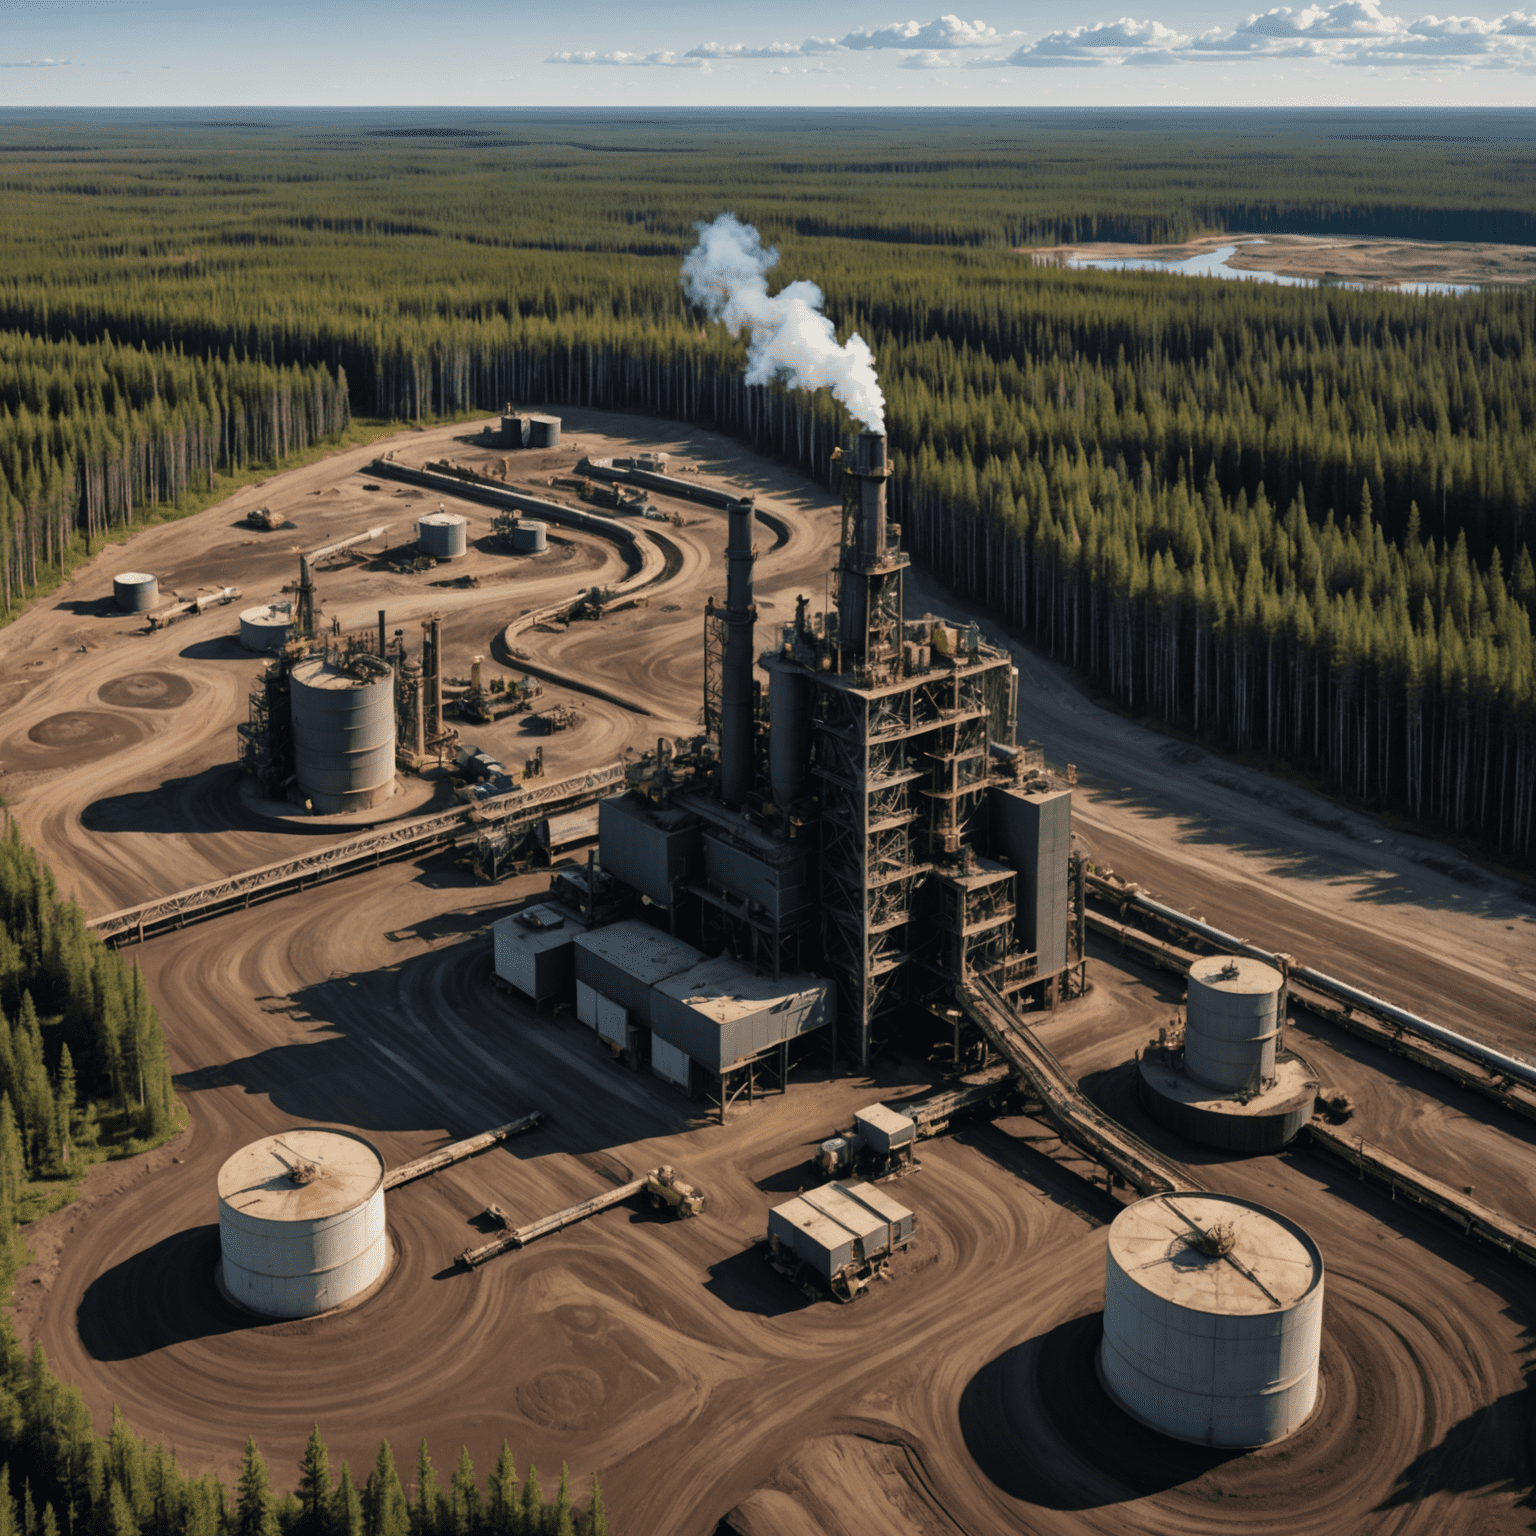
(456, 1152)
(1076, 1118)
(406, 839)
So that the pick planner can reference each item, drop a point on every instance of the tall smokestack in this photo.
(736, 708)
(861, 625)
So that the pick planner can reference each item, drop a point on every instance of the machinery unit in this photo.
(666, 1189)
(1213, 1317)
(301, 1222)
(885, 1132)
(443, 535)
(135, 591)
(344, 730)
(843, 1235)
(268, 627)
(534, 950)
(530, 536)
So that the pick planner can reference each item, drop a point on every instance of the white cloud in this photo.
(37, 64)
(1105, 42)
(662, 60)
(812, 47)
(1347, 32)
(941, 32)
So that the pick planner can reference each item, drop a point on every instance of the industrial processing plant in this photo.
(657, 979)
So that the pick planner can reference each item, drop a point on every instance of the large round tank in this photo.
(301, 1221)
(1231, 1019)
(443, 535)
(530, 537)
(266, 628)
(789, 733)
(135, 591)
(1213, 1319)
(343, 732)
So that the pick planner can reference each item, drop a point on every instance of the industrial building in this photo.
(1213, 1319)
(843, 1234)
(1227, 1082)
(301, 1222)
(867, 836)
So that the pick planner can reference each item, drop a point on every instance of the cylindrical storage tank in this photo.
(1231, 1020)
(443, 535)
(543, 431)
(301, 1222)
(135, 591)
(343, 732)
(789, 733)
(1213, 1319)
(530, 537)
(266, 628)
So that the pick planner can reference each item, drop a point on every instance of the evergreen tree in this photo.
(314, 1490)
(504, 1497)
(346, 1506)
(464, 1497)
(425, 1512)
(255, 1514)
(384, 1504)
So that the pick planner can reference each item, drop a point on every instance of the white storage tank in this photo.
(530, 536)
(1213, 1319)
(1231, 1021)
(443, 535)
(267, 628)
(301, 1222)
(344, 731)
(135, 591)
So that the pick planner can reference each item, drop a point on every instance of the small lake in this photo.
(1213, 263)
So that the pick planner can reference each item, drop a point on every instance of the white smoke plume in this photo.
(726, 275)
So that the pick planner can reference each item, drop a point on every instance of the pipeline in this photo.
(1330, 986)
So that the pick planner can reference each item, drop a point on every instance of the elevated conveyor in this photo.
(456, 1152)
(1075, 1117)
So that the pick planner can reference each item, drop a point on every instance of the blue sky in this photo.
(512, 53)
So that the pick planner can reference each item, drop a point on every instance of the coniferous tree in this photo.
(255, 1511)
(314, 1490)
(346, 1506)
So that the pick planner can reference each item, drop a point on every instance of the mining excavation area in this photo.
(958, 1393)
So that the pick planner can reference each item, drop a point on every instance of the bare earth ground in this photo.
(667, 1358)
(1328, 256)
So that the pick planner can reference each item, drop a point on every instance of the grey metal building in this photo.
(535, 950)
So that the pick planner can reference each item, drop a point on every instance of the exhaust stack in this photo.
(736, 701)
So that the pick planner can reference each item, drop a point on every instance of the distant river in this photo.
(1213, 263)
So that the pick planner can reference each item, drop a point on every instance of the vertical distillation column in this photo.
(737, 716)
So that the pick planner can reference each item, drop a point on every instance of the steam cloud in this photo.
(726, 275)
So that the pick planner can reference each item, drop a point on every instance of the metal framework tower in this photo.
(902, 720)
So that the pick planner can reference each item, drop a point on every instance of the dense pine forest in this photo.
(1297, 522)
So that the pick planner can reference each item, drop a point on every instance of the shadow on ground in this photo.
(1047, 1390)
(165, 1294)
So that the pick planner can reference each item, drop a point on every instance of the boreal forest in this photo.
(1293, 521)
